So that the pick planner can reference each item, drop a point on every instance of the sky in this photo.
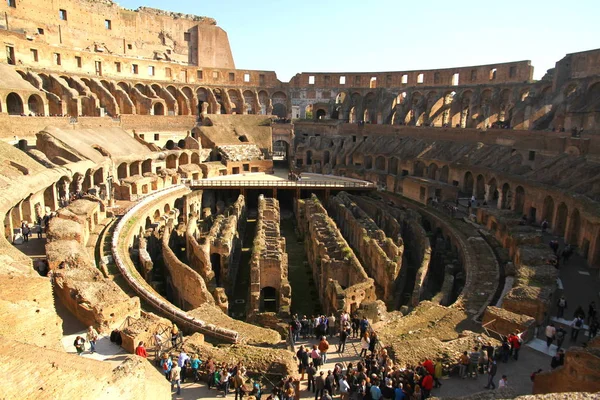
(290, 37)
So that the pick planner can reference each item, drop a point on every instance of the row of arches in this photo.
(16, 104)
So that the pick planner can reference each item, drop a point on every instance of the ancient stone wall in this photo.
(580, 372)
(269, 262)
(379, 255)
(341, 280)
(505, 322)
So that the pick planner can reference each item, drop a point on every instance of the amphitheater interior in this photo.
(162, 185)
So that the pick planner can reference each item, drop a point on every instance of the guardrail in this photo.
(280, 183)
(132, 276)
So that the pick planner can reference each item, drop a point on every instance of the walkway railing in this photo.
(280, 184)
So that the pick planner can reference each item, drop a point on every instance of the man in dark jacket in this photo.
(492, 369)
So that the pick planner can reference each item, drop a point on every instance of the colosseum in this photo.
(174, 204)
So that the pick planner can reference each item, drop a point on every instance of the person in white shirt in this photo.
(550, 334)
(503, 382)
(344, 388)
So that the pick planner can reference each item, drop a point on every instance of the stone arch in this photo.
(574, 228)
(195, 159)
(184, 158)
(432, 171)
(506, 196)
(203, 98)
(36, 105)
(444, 173)
(156, 215)
(122, 171)
(147, 166)
(480, 187)
(158, 109)
(14, 104)
(263, 98)
(167, 209)
(279, 100)
(250, 101)
(468, 183)
(134, 168)
(519, 199)
(548, 210)
(419, 168)
(171, 161)
(380, 163)
(268, 299)
(492, 192)
(99, 176)
(393, 165)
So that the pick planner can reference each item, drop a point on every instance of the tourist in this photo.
(364, 344)
(92, 337)
(26, 231)
(330, 383)
(561, 306)
(576, 326)
(355, 326)
(491, 371)
(561, 333)
(174, 336)
(326, 395)
(342, 343)
(364, 325)
(399, 393)
(323, 348)
(315, 355)
(463, 363)
(550, 334)
(558, 359)
(311, 372)
(302, 356)
(483, 359)
(140, 350)
(533, 374)
(437, 375)
(503, 382)
(304, 330)
(181, 362)
(79, 345)
(373, 342)
(579, 313)
(515, 344)
(473, 362)
(176, 378)
(238, 383)
(592, 311)
(344, 388)
(544, 226)
(210, 370)
(195, 364)
(331, 325)
(427, 384)
(319, 385)
(224, 380)
(593, 328)
(166, 365)
(375, 391)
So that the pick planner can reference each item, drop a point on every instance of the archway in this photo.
(172, 161)
(480, 187)
(134, 168)
(380, 163)
(393, 166)
(368, 162)
(36, 105)
(548, 210)
(444, 174)
(468, 183)
(492, 193)
(122, 171)
(268, 299)
(561, 219)
(184, 159)
(215, 262)
(419, 168)
(147, 166)
(432, 171)
(309, 157)
(519, 199)
(159, 109)
(506, 196)
(574, 228)
(280, 110)
(321, 114)
(280, 150)
(14, 104)
(156, 216)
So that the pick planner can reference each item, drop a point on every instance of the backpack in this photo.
(165, 365)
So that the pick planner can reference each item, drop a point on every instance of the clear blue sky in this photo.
(393, 35)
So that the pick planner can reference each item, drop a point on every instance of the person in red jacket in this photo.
(515, 344)
(427, 385)
(428, 365)
(141, 350)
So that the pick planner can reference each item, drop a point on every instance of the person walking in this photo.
(176, 378)
(491, 371)
(561, 306)
(550, 334)
(79, 345)
(92, 337)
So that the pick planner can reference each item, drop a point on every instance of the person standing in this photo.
(561, 306)
(158, 343)
(92, 337)
(181, 361)
(503, 382)
(195, 363)
(167, 366)
(176, 378)
(560, 336)
(427, 385)
(343, 338)
(140, 350)
(437, 373)
(491, 371)
(593, 328)
(331, 325)
(364, 344)
(344, 388)
(323, 347)
(311, 371)
(464, 362)
(592, 311)
(373, 342)
(319, 385)
(550, 334)
(576, 326)
(515, 344)
(302, 356)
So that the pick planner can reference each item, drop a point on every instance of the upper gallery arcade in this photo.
(92, 58)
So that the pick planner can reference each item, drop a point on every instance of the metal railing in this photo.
(279, 183)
